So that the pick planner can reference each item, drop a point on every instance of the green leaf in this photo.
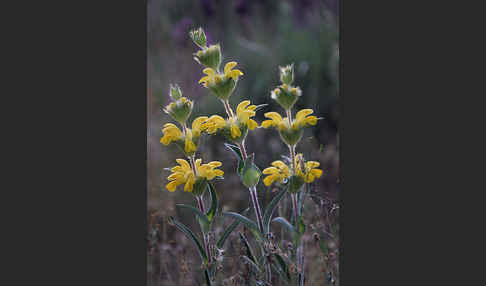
(270, 208)
(229, 230)
(302, 196)
(285, 223)
(250, 224)
(251, 263)
(300, 226)
(227, 233)
(237, 152)
(201, 218)
(214, 203)
(189, 234)
(196, 211)
(283, 266)
(249, 251)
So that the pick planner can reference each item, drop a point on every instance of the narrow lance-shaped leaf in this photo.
(214, 203)
(286, 224)
(201, 218)
(249, 251)
(250, 224)
(300, 225)
(227, 233)
(189, 234)
(195, 211)
(283, 265)
(229, 230)
(249, 261)
(237, 152)
(270, 208)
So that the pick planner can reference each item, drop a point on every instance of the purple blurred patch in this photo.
(242, 7)
(181, 31)
(208, 7)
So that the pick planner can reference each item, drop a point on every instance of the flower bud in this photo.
(198, 37)
(175, 92)
(250, 174)
(180, 109)
(287, 74)
(209, 57)
(286, 95)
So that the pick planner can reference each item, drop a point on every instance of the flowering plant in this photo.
(197, 177)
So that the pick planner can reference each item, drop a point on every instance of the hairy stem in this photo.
(295, 209)
(228, 109)
(292, 158)
(289, 116)
(256, 206)
(200, 204)
(253, 194)
(243, 150)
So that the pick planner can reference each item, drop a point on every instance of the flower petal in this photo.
(229, 66)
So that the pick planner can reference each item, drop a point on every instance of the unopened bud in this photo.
(250, 174)
(198, 37)
(209, 57)
(287, 74)
(181, 108)
(175, 92)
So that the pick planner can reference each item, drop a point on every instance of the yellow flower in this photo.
(190, 137)
(208, 170)
(309, 172)
(189, 145)
(197, 125)
(275, 121)
(171, 133)
(183, 174)
(302, 120)
(230, 72)
(235, 130)
(279, 171)
(213, 124)
(212, 78)
(243, 113)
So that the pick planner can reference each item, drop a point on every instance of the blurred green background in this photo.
(260, 36)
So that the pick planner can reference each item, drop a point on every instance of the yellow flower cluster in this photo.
(190, 137)
(244, 112)
(280, 171)
(301, 120)
(184, 175)
(213, 78)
